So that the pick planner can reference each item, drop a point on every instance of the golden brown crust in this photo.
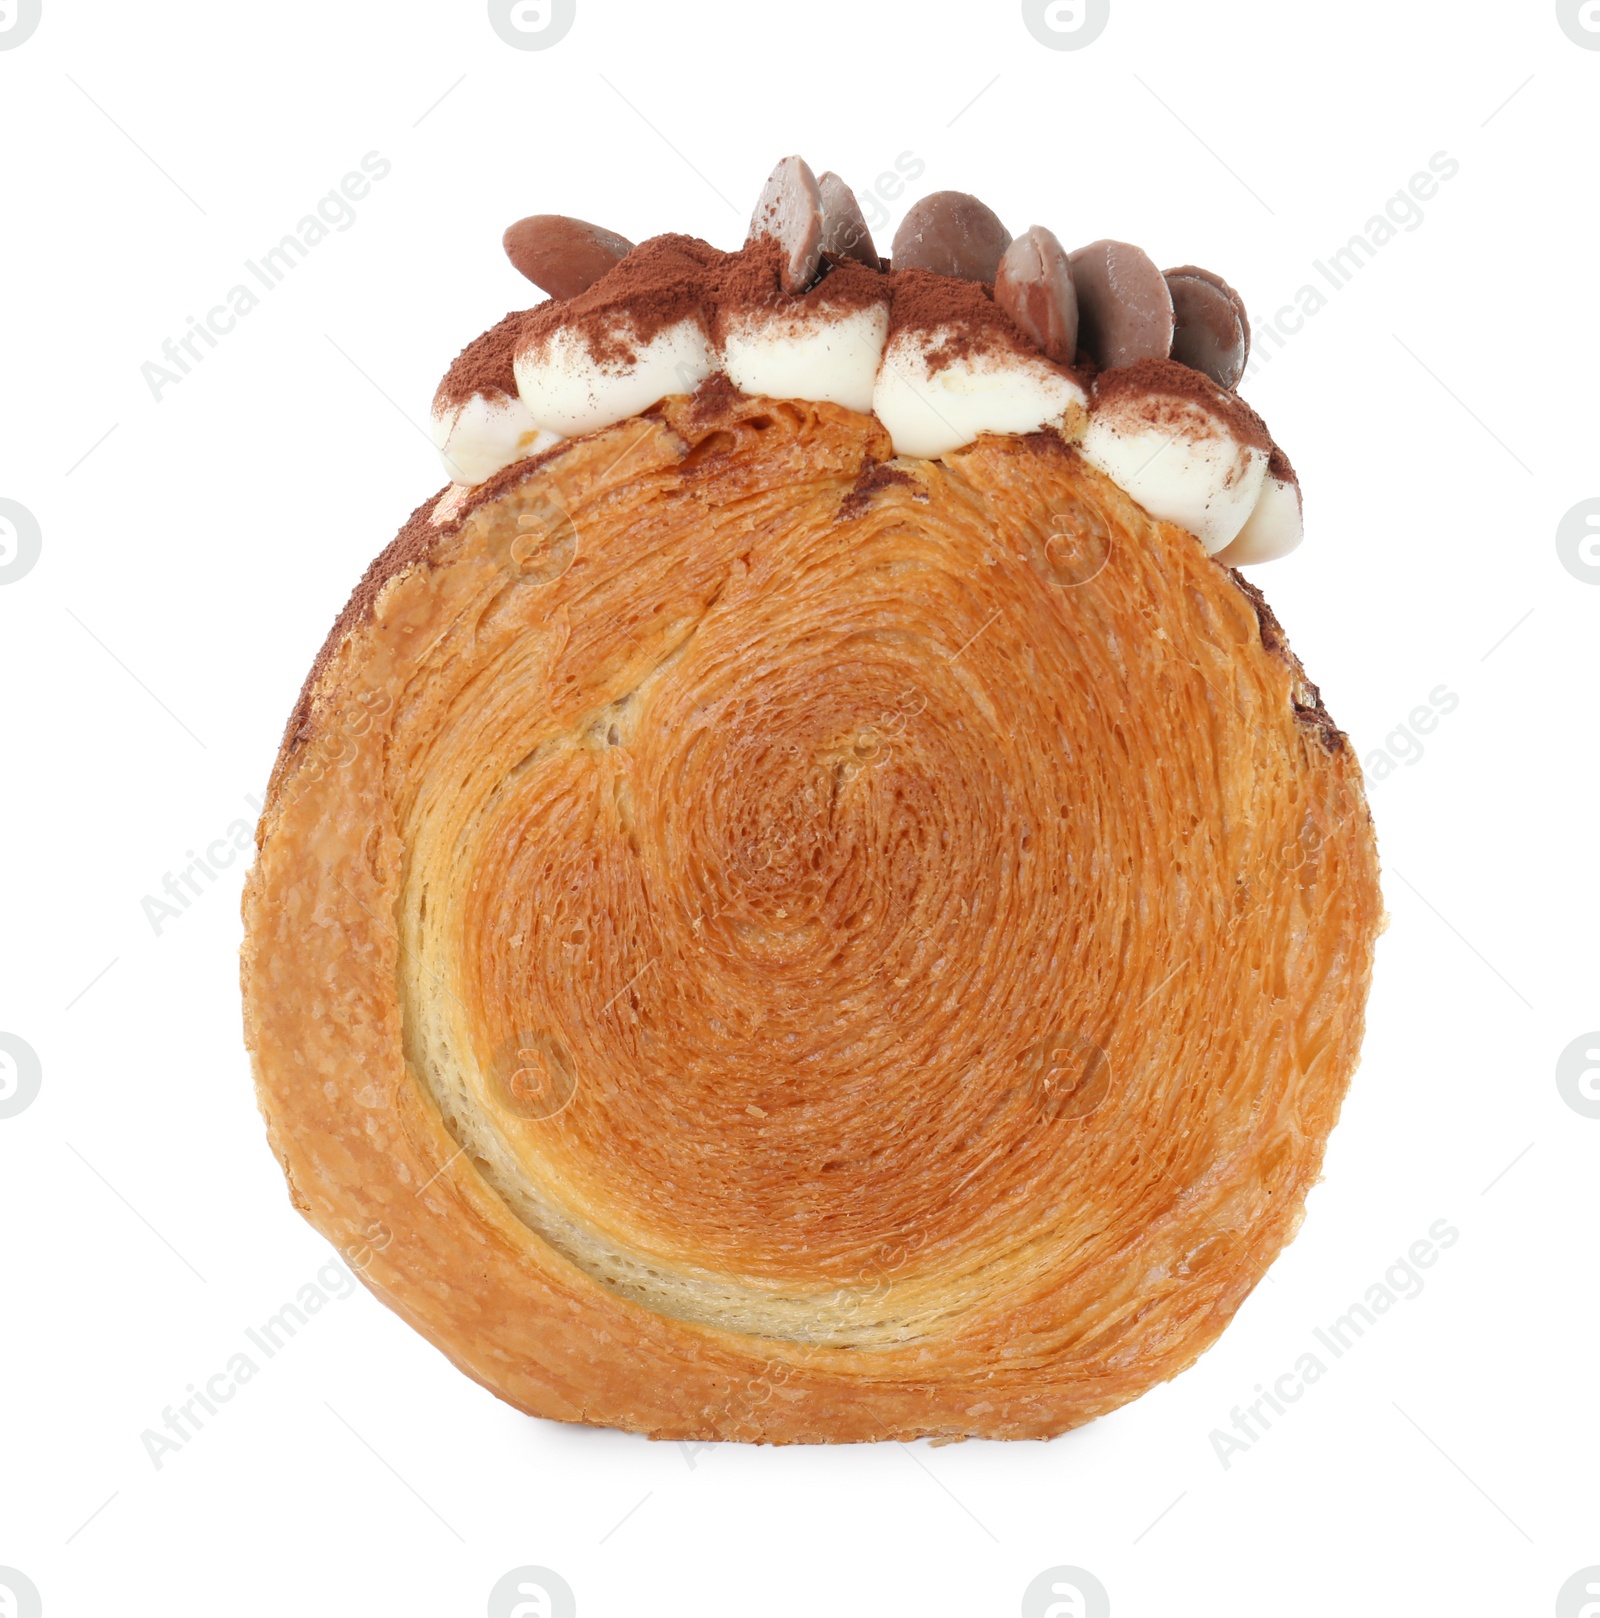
(794, 945)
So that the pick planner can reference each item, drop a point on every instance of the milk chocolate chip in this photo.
(1034, 286)
(844, 228)
(1213, 331)
(790, 213)
(1124, 306)
(951, 233)
(563, 256)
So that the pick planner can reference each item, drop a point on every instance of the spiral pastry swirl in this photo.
(756, 939)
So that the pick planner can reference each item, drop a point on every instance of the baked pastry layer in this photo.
(791, 944)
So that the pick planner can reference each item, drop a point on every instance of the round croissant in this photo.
(753, 939)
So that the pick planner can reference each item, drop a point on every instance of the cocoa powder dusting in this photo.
(414, 544)
(1048, 446)
(672, 278)
(661, 282)
(964, 312)
(1168, 380)
(873, 477)
(1279, 467)
(1308, 704)
(750, 282)
(485, 364)
(713, 398)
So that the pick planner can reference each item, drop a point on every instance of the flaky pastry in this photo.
(755, 937)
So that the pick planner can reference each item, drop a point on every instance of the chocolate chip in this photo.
(1213, 331)
(844, 228)
(1034, 286)
(563, 256)
(1124, 307)
(790, 212)
(951, 233)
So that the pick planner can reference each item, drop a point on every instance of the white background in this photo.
(1441, 415)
